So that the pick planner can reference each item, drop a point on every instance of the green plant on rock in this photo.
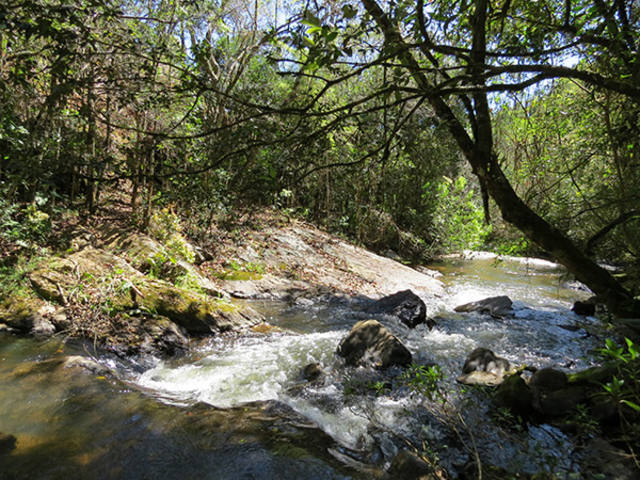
(165, 226)
(425, 380)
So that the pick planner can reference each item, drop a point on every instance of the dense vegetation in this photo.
(406, 126)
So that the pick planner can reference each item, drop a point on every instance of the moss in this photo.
(591, 376)
(239, 275)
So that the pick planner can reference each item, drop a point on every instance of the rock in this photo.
(84, 363)
(7, 443)
(28, 315)
(312, 372)
(484, 360)
(584, 308)
(514, 394)
(552, 396)
(406, 305)
(549, 380)
(558, 402)
(370, 344)
(606, 461)
(486, 379)
(483, 367)
(594, 376)
(164, 336)
(494, 306)
(408, 466)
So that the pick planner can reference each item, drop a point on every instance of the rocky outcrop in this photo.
(98, 294)
(405, 305)
(298, 256)
(483, 367)
(494, 306)
(514, 394)
(370, 344)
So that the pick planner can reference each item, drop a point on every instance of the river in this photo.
(238, 407)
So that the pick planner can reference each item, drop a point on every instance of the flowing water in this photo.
(239, 407)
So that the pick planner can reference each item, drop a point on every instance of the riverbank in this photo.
(238, 322)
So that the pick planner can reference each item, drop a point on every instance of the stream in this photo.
(238, 407)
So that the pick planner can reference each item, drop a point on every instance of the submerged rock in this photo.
(406, 305)
(483, 367)
(494, 306)
(370, 344)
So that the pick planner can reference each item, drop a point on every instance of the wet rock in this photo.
(559, 402)
(7, 443)
(606, 461)
(514, 394)
(163, 335)
(584, 308)
(484, 360)
(549, 379)
(494, 306)
(486, 379)
(405, 305)
(312, 372)
(409, 466)
(370, 344)
(552, 396)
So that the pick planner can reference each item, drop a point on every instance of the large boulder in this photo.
(494, 306)
(370, 344)
(405, 305)
(483, 367)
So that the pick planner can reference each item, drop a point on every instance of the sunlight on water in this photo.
(269, 367)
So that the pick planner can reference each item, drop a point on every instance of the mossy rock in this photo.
(594, 376)
(27, 314)
(121, 287)
(514, 394)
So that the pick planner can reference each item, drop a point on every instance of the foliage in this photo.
(425, 381)
(166, 227)
(624, 387)
(458, 219)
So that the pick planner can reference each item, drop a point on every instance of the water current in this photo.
(239, 407)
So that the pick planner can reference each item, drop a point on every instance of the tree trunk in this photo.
(482, 158)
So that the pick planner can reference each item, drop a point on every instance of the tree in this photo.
(455, 55)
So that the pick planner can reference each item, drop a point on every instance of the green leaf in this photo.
(348, 11)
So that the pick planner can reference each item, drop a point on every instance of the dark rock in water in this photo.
(514, 394)
(549, 379)
(584, 308)
(406, 305)
(551, 394)
(409, 466)
(370, 344)
(483, 367)
(559, 402)
(494, 306)
(312, 372)
(7, 443)
(484, 360)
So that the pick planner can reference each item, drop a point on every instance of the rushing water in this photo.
(143, 424)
